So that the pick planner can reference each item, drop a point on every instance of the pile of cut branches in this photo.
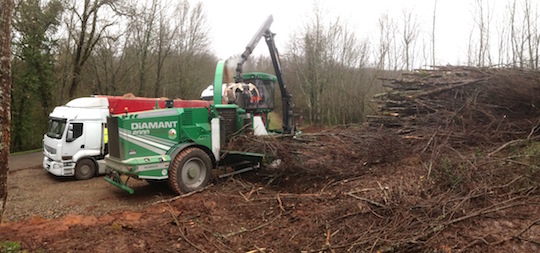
(467, 105)
(341, 151)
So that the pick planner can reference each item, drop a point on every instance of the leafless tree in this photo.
(517, 52)
(531, 33)
(328, 61)
(157, 48)
(410, 32)
(109, 65)
(169, 44)
(384, 43)
(433, 26)
(5, 94)
(479, 51)
(191, 46)
(524, 35)
(502, 45)
(86, 28)
(165, 35)
(143, 25)
(389, 53)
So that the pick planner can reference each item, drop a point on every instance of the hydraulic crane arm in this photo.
(286, 97)
(264, 31)
(251, 46)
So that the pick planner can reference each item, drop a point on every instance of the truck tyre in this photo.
(85, 169)
(190, 170)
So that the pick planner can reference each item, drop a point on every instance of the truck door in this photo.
(74, 140)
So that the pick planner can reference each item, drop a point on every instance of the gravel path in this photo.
(32, 192)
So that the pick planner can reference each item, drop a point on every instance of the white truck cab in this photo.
(76, 138)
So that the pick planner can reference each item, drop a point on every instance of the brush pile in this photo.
(340, 152)
(468, 105)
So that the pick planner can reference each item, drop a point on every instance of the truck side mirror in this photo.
(69, 137)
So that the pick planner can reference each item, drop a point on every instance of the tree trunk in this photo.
(5, 96)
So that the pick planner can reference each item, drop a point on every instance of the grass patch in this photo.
(26, 151)
(10, 247)
(275, 120)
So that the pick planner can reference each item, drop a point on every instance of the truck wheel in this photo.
(85, 169)
(190, 170)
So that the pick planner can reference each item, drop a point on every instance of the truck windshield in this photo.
(56, 128)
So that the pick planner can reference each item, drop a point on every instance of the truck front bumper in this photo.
(59, 168)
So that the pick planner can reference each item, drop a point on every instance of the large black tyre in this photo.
(190, 170)
(85, 169)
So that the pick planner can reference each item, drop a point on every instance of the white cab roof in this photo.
(86, 102)
(86, 108)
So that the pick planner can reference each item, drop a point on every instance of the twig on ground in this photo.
(280, 203)
(430, 140)
(257, 250)
(243, 230)
(183, 195)
(367, 200)
(512, 143)
(171, 211)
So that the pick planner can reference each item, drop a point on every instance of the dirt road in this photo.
(34, 192)
(26, 160)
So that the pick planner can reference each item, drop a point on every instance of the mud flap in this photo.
(115, 179)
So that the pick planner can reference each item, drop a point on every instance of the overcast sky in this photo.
(234, 22)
